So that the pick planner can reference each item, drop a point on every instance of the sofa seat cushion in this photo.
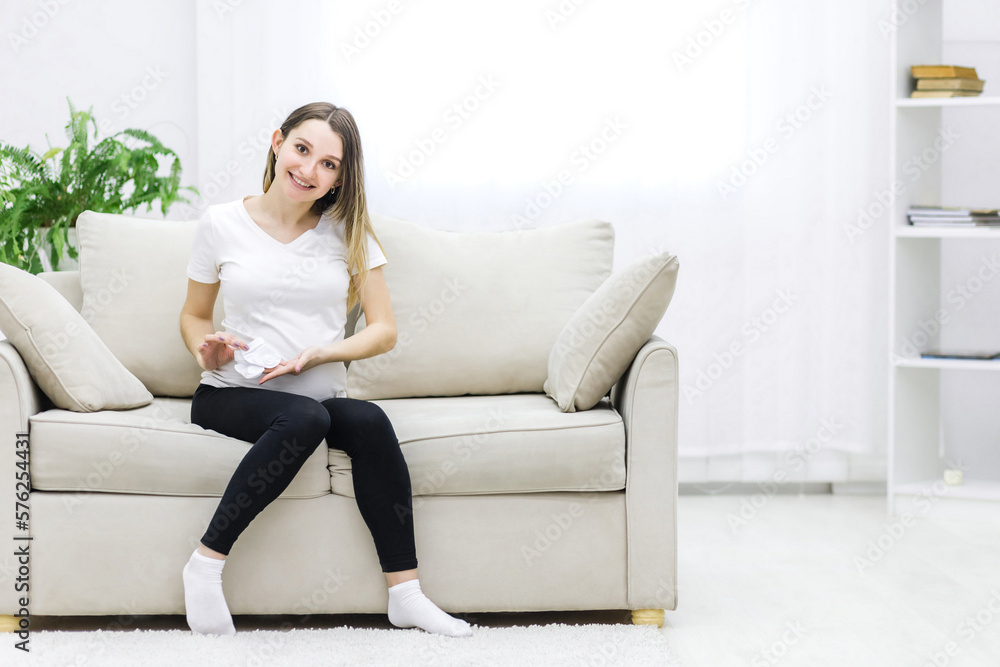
(154, 449)
(510, 443)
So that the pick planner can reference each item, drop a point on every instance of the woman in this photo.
(294, 261)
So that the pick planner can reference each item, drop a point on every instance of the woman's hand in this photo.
(309, 357)
(217, 350)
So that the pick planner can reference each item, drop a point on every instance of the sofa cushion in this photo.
(604, 335)
(478, 312)
(134, 282)
(66, 283)
(66, 359)
(513, 443)
(153, 450)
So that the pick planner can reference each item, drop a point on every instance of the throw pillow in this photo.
(67, 360)
(602, 338)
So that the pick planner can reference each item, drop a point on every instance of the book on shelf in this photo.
(925, 94)
(943, 72)
(954, 222)
(929, 216)
(957, 353)
(952, 211)
(944, 81)
(973, 85)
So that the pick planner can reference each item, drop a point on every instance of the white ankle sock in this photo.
(409, 607)
(207, 611)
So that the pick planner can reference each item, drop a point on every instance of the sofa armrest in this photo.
(20, 398)
(646, 397)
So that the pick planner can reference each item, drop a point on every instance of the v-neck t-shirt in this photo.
(293, 295)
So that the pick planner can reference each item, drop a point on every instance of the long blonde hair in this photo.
(348, 201)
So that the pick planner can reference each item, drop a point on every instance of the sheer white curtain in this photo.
(742, 136)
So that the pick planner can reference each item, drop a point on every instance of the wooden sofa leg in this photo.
(647, 617)
(9, 623)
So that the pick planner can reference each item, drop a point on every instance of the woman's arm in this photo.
(196, 315)
(210, 348)
(379, 334)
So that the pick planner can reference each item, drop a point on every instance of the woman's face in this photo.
(308, 161)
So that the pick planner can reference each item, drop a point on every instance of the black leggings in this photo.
(285, 429)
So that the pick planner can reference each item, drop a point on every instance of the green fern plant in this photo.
(41, 196)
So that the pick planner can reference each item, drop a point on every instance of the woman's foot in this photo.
(204, 602)
(409, 607)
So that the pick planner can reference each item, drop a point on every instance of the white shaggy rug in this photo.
(544, 645)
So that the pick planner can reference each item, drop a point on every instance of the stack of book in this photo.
(933, 216)
(946, 81)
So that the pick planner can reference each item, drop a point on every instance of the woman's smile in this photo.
(301, 185)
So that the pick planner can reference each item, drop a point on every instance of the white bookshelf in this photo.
(916, 465)
(948, 232)
(980, 101)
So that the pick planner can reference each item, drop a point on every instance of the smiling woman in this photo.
(288, 264)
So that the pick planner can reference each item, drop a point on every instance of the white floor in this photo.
(808, 580)
(829, 580)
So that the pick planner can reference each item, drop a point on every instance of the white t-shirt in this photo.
(292, 295)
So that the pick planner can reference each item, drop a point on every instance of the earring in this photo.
(332, 190)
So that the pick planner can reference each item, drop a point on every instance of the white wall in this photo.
(96, 53)
(133, 62)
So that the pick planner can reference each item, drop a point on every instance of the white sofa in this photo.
(519, 504)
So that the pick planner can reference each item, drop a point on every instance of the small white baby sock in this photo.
(409, 607)
(207, 611)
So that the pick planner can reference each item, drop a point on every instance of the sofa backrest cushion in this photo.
(66, 283)
(64, 356)
(478, 312)
(134, 282)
